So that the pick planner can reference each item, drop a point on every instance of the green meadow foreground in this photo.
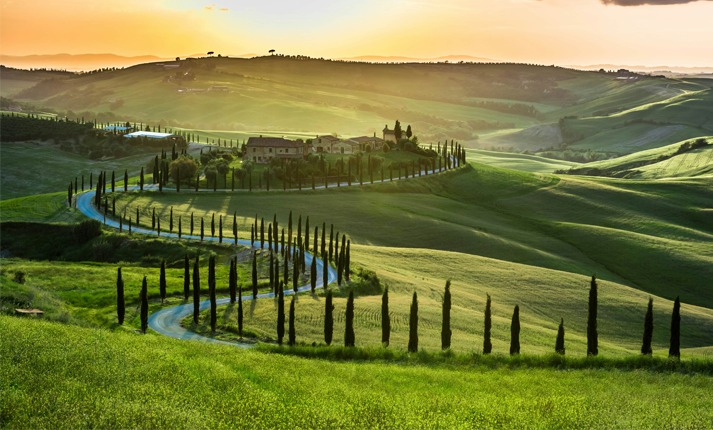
(93, 378)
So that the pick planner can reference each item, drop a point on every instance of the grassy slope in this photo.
(157, 382)
(697, 162)
(526, 163)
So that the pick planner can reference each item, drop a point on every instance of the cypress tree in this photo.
(313, 274)
(648, 328)
(324, 241)
(285, 275)
(153, 219)
(347, 270)
(349, 339)
(141, 180)
(280, 315)
(170, 221)
(515, 332)
(211, 289)
(385, 318)
(162, 281)
(291, 332)
(235, 226)
(262, 233)
(212, 226)
(202, 230)
(315, 247)
(144, 306)
(306, 241)
(113, 181)
(91, 175)
(331, 242)
(295, 274)
(446, 325)
(275, 231)
(413, 325)
(126, 180)
(272, 269)
(559, 344)
(196, 291)
(283, 248)
(269, 238)
(592, 341)
(180, 228)
(120, 306)
(240, 309)
(186, 278)
(220, 229)
(252, 235)
(674, 350)
(254, 275)
(325, 271)
(487, 345)
(232, 281)
(328, 319)
(158, 227)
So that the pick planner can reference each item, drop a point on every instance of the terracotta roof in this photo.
(273, 141)
(366, 139)
(328, 137)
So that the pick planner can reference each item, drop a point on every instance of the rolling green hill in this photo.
(664, 162)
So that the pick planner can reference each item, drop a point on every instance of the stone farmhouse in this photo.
(334, 145)
(263, 149)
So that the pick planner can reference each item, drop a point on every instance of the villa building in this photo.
(263, 149)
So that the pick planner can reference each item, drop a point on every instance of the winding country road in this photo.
(168, 321)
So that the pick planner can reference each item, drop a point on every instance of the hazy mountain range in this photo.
(77, 62)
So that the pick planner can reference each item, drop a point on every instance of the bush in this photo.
(386, 148)
(20, 277)
(87, 230)
(186, 165)
(102, 250)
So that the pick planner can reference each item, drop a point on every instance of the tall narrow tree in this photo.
(325, 271)
(291, 331)
(674, 350)
(446, 325)
(254, 275)
(211, 290)
(347, 270)
(592, 337)
(280, 315)
(240, 309)
(186, 278)
(232, 281)
(328, 319)
(295, 273)
(162, 281)
(306, 241)
(515, 332)
(648, 328)
(144, 306)
(413, 325)
(349, 339)
(331, 243)
(196, 291)
(120, 306)
(487, 345)
(126, 180)
(313, 274)
(385, 318)
(559, 343)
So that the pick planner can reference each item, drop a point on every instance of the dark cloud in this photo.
(646, 2)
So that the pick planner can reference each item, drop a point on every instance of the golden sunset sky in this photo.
(546, 31)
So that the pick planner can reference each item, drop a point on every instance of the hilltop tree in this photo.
(397, 130)
(120, 306)
(592, 341)
(186, 278)
(280, 314)
(328, 319)
(385, 318)
(144, 306)
(409, 133)
(413, 325)
(487, 345)
(446, 325)
(196, 291)
(648, 328)
(674, 350)
(291, 325)
(559, 344)
(211, 290)
(349, 338)
(162, 281)
(254, 275)
(515, 332)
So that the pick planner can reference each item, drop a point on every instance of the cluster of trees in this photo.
(16, 127)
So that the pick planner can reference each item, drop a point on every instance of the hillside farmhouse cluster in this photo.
(263, 149)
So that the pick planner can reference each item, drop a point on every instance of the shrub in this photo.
(185, 166)
(386, 148)
(87, 230)
(20, 277)
(102, 250)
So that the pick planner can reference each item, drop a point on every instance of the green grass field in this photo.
(526, 163)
